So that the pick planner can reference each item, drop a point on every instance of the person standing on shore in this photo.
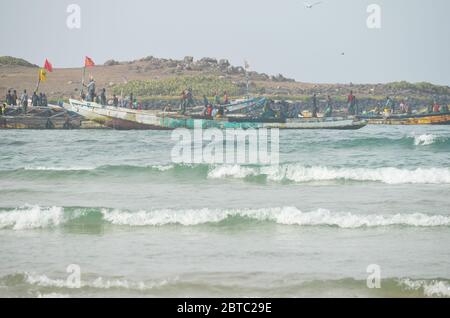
(314, 107)
(390, 105)
(436, 107)
(8, 97)
(24, 101)
(217, 99)
(34, 100)
(329, 108)
(131, 101)
(225, 98)
(190, 97)
(351, 101)
(14, 98)
(44, 100)
(103, 97)
(91, 89)
(115, 101)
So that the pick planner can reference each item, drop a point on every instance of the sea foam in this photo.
(284, 216)
(97, 283)
(31, 217)
(35, 217)
(424, 140)
(433, 288)
(300, 174)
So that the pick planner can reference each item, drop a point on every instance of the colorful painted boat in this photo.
(123, 118)
(420, 119)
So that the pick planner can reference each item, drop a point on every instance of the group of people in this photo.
(11, 99)
(216, 110)
(102, 99)
(187, 100)
(92, 95)
(328, 111)
(39, 100)
(436, 108)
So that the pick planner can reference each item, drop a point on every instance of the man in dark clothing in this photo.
(14, 98)
(131, 101)
(103, 97)
(34, 99)
(44, 100)
(41, 99)
(8, 98)
(115, 101)
(314, 107)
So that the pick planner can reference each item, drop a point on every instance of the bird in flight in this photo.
(311, 5)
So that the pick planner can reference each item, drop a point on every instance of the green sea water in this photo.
(136, 224)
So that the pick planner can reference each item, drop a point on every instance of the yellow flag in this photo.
(42, 75)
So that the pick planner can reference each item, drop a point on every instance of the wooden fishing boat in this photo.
(124, 118)
(415, 119)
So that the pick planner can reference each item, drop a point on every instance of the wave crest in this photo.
(35, 217)
(283, 216)
(302, 174)
(31, 217)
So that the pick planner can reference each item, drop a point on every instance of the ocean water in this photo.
(113, 205)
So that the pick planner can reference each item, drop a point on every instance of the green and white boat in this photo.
(124, 118)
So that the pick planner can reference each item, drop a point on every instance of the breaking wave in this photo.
(32, 217)
(301, 174)
(35, 217)
(288, 172)
(425, 140)
(224, 285)
(430, 288)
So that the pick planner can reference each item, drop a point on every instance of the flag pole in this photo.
(82, 80)
(39, 82)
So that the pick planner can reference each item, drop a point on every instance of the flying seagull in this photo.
(311, 5)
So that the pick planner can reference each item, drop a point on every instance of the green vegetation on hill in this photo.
(9, 60)
(201, 85)
(422, 87)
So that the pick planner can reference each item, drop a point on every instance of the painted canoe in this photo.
(123, 118)
(421, 119)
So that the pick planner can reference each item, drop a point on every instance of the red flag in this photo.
(48, 66)
(88, 62)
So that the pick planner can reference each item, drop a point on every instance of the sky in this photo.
(330, 43)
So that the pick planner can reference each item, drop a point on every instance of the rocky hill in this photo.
(152, 78)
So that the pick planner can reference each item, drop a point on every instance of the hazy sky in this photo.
(275, 36)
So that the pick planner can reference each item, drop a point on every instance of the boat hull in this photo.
(122, 118)
(425, 119)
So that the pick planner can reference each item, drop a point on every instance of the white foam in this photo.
(285, 215)
(163, 167)
(31, 217)
(52, 295)
(98, 283)
(44, 168)
(299, 173)
(234, 171)
(431, 288)
(424, 140)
